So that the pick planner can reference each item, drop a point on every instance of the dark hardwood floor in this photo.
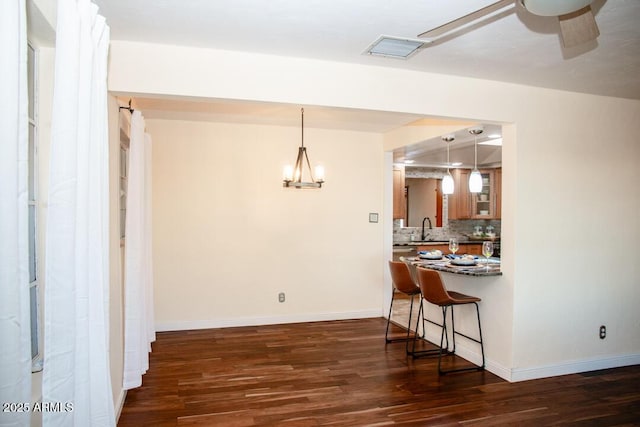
(342, 373)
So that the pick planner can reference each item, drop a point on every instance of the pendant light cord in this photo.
(448, 139)
(475, 145)
(475, 133)
(302, 127)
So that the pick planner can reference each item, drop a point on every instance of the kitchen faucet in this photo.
(426, 218)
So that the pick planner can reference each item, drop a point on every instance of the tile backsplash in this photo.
(460, 228)
(467, 226)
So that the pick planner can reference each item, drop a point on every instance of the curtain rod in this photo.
(131, 110)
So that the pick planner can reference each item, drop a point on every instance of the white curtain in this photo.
(76, 360)
(139, 329)
(15, 353)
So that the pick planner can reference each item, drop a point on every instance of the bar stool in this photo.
(434, 291)
(403, 283)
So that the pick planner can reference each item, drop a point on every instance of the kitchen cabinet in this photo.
(399, 199)
(483, 205)
(471, 249)
(458, 202)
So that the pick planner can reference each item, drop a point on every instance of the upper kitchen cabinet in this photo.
(482, 205)
(459, 201)
(399, 201)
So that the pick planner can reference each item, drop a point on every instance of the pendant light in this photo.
(293, 175)
(447, 180)
(475, 179)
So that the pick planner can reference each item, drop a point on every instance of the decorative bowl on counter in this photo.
(464, 260)
(430, 255)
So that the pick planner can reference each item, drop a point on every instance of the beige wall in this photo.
(568, 239)
(228, 238)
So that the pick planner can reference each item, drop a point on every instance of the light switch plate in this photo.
(373, 217)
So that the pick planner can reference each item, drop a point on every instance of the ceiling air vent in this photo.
(394, 47)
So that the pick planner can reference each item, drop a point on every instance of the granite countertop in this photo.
(438, 242)
(421, 243)
(443, 265)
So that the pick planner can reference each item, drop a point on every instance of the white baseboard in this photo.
(120, 403)
(532, 373)
(267, 320)
(573, 367)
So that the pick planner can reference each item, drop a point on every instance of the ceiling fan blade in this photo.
(467, 19)
(578, 27)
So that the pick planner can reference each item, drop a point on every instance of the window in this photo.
(33, 209)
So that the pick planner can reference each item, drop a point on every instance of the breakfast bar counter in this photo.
(445, 265)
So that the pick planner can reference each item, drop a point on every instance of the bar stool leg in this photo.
(406, 345)
(408, 337)
(434, 351)
(480, 332)
(386, 334)
(415, 335)
(479, 341)
(442, 335)
(453, 328)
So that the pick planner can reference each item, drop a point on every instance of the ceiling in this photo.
(432, 153)
(511, 46)
(515, 46)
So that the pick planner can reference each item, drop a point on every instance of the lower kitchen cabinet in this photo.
(463, 248)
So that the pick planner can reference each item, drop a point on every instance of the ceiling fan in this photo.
(577, 22)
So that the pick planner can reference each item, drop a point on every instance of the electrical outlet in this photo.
(603, 332)
(281, 297)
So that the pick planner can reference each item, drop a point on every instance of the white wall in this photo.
(579, 204)
(568, 239)
(228, 238)
(116, 327)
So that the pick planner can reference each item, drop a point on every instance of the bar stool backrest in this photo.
(432, 288)
(401, 277)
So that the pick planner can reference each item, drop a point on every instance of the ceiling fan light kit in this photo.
(554, 7)
(577, 23)
(578, 27)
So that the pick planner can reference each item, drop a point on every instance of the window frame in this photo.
(33, 211)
